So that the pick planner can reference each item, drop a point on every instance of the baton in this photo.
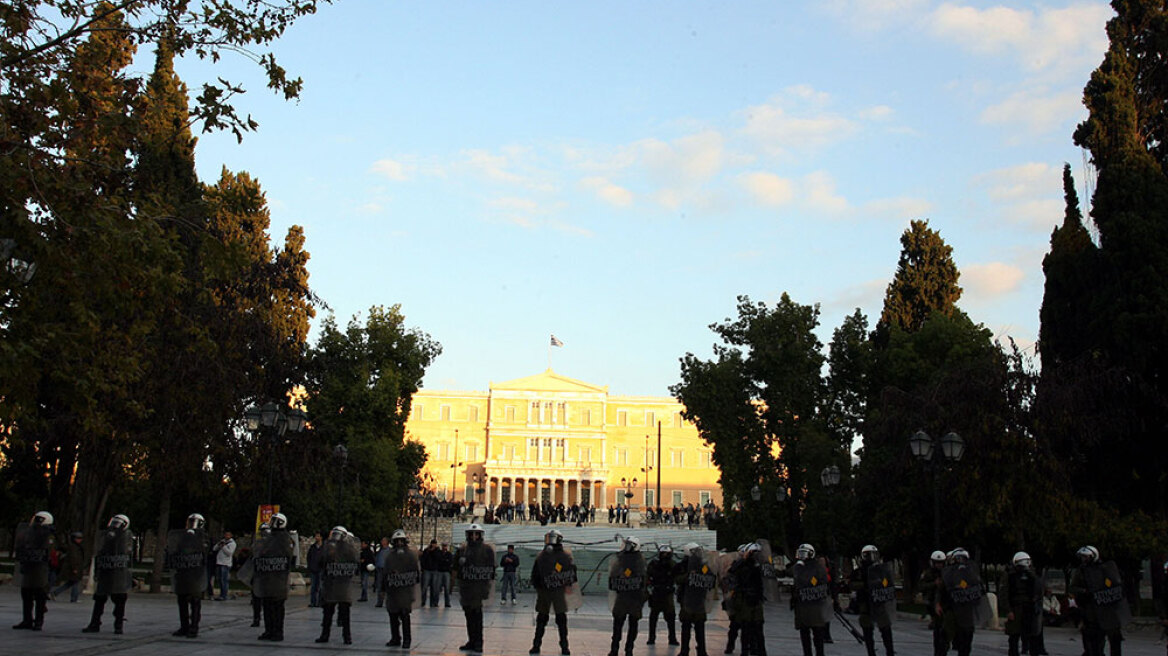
(851, 629)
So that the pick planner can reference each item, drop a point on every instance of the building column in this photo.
(514, 499)
(604, 494)
(579, 485)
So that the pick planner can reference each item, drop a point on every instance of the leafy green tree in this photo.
(359, 392)
(925, 282)
(760, 405)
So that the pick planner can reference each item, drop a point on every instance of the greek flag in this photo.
(556, 342)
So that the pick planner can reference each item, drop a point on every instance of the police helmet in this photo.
(119, 522)
(869, 553)
(553, 537)
(279, 522)
(1088, 554)
(42, 518)
(959, 556)
(665, 550)
(693, 548)
(338, 533)
(399, 535)
(632, 543)
(195, 521)
(1022, 559)
(938, 556)
(742, 547)
(265, 529)
(804, 552)
(474, 532)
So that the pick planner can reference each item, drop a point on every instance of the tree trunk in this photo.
(160, 541)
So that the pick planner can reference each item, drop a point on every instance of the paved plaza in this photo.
(226, 631)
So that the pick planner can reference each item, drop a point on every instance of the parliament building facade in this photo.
(548, 437)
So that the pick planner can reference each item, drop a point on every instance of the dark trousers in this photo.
(940, 638)
(870, 639)
(190, 611)
(399, 629)
(698, 628)
(33, 604)
(752, 640)
(99, 609)
(670, 621)
(273, 610)
(342, 611)
(541, 621)
(963, 641)
(474, 628)
(1094, 636)
(618, 623)
(812, 636)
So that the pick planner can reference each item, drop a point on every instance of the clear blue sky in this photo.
(616, 173)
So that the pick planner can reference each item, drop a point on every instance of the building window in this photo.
(419, 411)
(445, 413)
(532, 448)
(677, 420)
(506, 492)
(619, 496)
(621, 456)
(704, 497)
(562, 414)
(586, 417)
(472, 452)
(622, 418)
(677, 498)
(533, 416)
(650, 498)
(586, 455)
(704, 459)
(472, 414)
(676, 458)
(444, 451)
(650, 418)
(470, 493)
(651, 458)
(509, 413)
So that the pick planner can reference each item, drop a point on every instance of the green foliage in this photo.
(359, 391)
(925, 281)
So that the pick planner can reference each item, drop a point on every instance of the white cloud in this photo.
(370, 208)
(1060, 39)
(818, 192)
(869, 15)
(688, 160)
(1022, 181)
(394, 170)
(768, 188)
(1037, 110)
(876, 113)
(900, 208)
(608, 192)
(985, 282)
(794, 120)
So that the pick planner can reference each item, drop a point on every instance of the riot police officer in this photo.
(186, 553)
(962, 602)
(810, 598)
(273, 564)
(34, 541)
(627, 587)
(750, 585)
(552, 575)
(696, 581)
(1098, 591)
(1021, 598)
(340, 560)
(476, 577)
(731, 602)
(930, 583)
(875, 594)
(661, 590)
(112, 577)
(402, 577)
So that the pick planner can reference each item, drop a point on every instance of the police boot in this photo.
(278, 621)
(266, 604)
(617, 626)
(95, 619)
(652, 639)
(672, 622)
(732, 637)
(184, 617)
(326, 625)
(255, 611)
(699, 629)
(886, 638)
(346, 624)
(395, 639)
(541, 621)
(632, 637)
(685, 630)
(478, 629)
(406, 639)
(196, 615)
(562, 625)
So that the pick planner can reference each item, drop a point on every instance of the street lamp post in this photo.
(272, 421)
(952, 448)
(629, 494)
(830, 478)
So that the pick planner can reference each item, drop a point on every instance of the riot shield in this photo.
(812, 594)
(726, 578)
(246, 572)
(271, 563)
(1105, 587)
(558, 572)
(626, 584)
(33, 544)
(340, 562)
(770, 576)
(882, 594)
(186, 558)
(476, 572)
(402, 579)
(701, 581)
(111, 563)
(964, 587)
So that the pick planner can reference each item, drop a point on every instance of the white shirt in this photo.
(226, 552)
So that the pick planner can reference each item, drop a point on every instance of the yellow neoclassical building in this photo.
(549, 437)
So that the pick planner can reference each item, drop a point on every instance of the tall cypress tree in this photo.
(1071, 268)
(925, 282)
